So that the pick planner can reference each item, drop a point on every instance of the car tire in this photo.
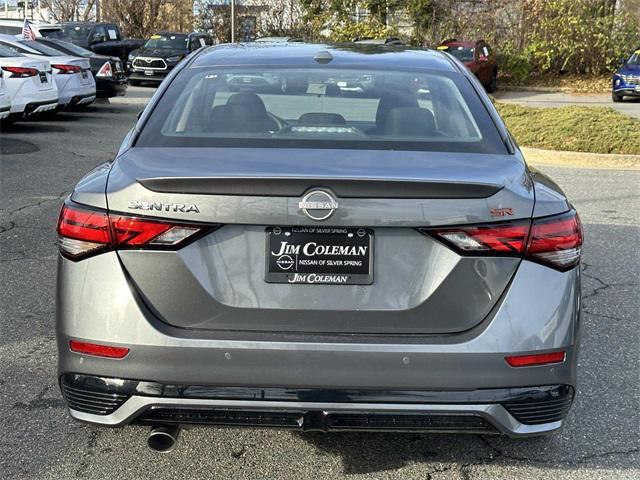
(10, 120)
(492, 86)
(50, 115)
(135, 83)
(616, 98)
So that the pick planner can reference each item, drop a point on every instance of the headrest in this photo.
(250, 101)
(391, 100)
(410, 122)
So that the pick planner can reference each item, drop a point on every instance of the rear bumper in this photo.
(79, 100)
(27, 102)
(33, 108)
(109, 87)
(540, 312)
(515, 412)
(72, 96)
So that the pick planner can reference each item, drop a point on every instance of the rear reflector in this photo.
(83, 231)
(537, 359)
(555, 241)
(98, 350)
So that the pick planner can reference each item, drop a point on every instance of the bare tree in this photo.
(272, 17)
(282, 17)
(69, 10)
(137, 18)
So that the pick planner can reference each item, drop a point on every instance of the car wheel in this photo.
(135, 83)
(493, 84)
(616, 98)
(10, 120)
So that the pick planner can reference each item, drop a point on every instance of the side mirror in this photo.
(623, 61)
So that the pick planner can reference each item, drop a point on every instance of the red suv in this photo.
(477, 57)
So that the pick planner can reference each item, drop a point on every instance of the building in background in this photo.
(50, 11)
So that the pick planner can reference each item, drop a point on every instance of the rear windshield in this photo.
(321, 108)
(8, 30)
(19, 49)
(76, 32)
(174, 42)
(71, 48)
(7, 52)
(51, 32)
(39, 47)
(464, 54)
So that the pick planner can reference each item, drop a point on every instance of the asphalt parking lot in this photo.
(40, 161)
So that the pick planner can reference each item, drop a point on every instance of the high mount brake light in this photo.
(105, 70)
(83, 232)
(67, 69)
(20, 72)
(555, 241)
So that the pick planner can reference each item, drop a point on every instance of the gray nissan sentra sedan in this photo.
(324, 238)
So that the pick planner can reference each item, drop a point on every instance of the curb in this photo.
(523, 88)
(538, 156)
(568, 90)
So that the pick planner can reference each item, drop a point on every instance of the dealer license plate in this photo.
(324, 255)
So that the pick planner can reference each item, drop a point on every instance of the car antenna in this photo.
(323, 56)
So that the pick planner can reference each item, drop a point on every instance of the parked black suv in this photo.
(161, 53)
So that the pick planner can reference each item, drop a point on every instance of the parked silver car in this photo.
(310, 260)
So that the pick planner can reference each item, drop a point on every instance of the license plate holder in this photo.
(319, 255)
(84, 74)
(43, 77)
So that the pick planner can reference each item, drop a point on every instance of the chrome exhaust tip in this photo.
(163, 439)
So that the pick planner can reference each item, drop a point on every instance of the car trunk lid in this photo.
(223, 281)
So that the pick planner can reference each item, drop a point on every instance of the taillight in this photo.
(105, 70)
(84, 231)
(500, 238)
(20, 72)
(555, 241)
(67, 69)
(138, 232)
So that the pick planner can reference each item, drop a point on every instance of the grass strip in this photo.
(576, 129)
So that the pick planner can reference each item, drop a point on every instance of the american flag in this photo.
(27, 31)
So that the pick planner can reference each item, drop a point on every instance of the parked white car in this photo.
(28, 84)
(5, 99)
(41, 29)
(76, 85)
